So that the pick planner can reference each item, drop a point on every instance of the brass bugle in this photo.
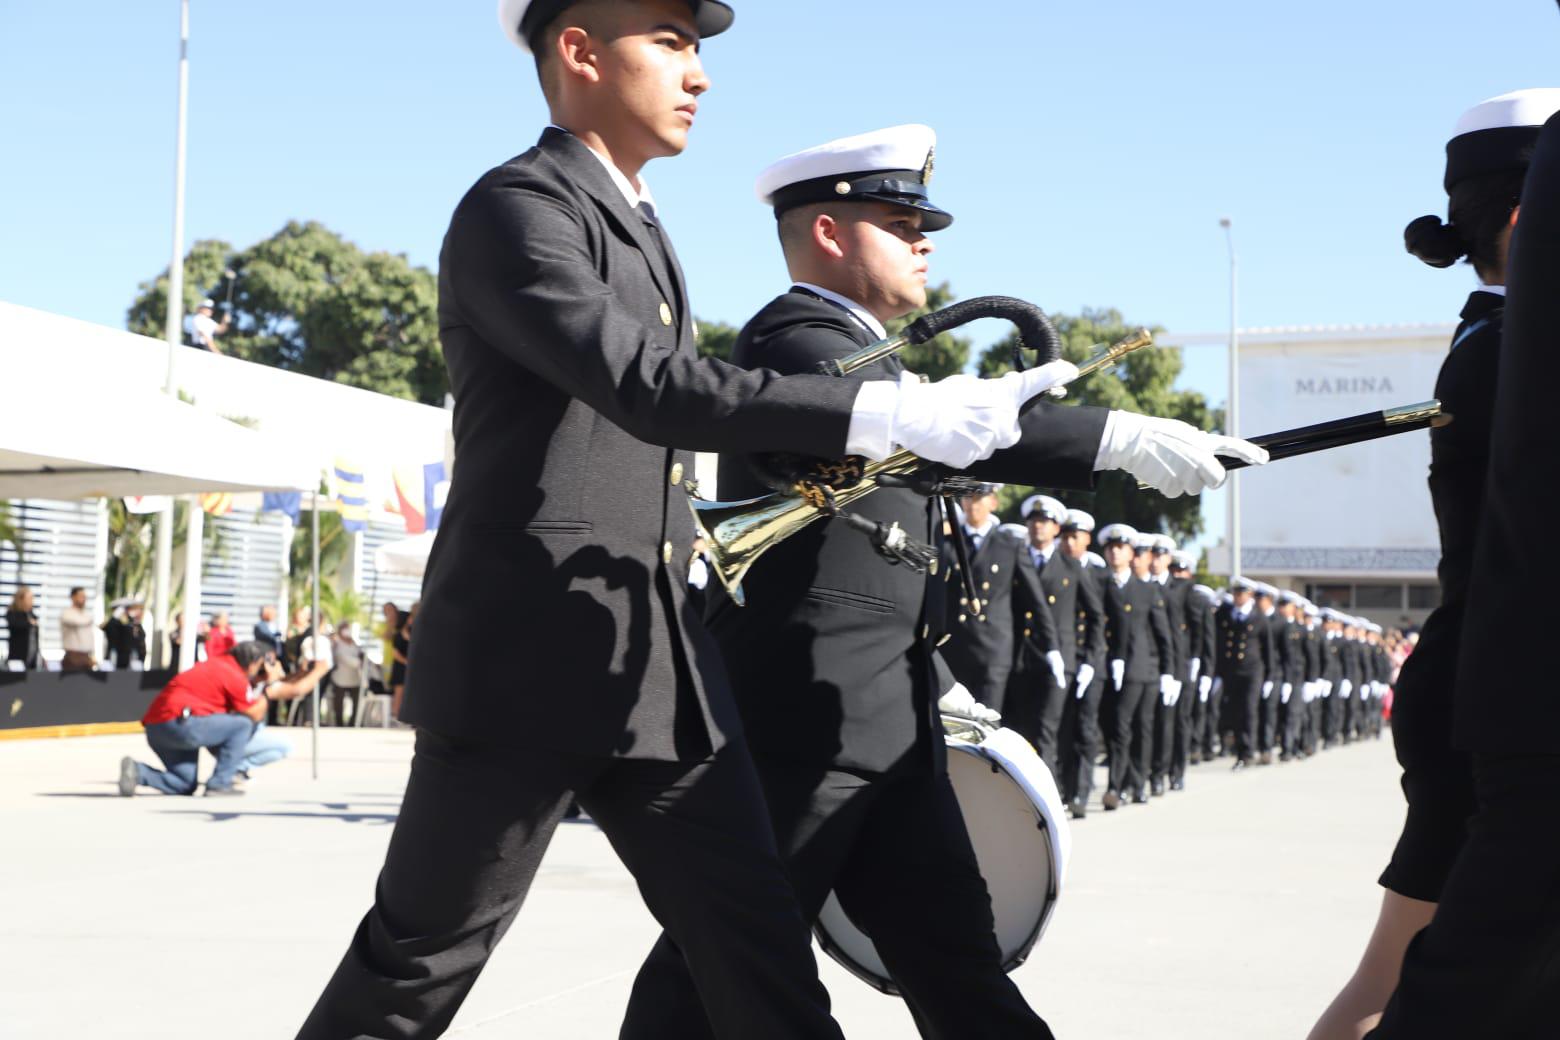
(738, 533)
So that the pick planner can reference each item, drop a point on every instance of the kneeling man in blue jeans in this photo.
(209, 706)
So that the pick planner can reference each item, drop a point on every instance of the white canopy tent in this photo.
(73, 443)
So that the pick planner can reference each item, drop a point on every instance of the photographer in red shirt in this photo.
(208, 706)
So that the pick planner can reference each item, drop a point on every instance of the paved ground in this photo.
(1231, 910)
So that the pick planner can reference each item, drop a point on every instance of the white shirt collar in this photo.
(857, 311)
(1161, 579)
(991, 525)
(1122, 578)
(631, 195)
(1243, 612)
(1493, 290)
(1042, 554)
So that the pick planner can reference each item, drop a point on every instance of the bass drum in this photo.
(1018, 825)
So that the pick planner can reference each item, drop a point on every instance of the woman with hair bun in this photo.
(1486, 161)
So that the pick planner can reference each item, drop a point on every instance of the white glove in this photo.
(1218, 684)
(1344, 688)
(1175, 694)
(1267, 689)
(1327, 687)
(960, 701)
(956, 421)
(1203, 686)
(1085, 679)
(1058, 669)
(1196, 667)
(1166, 684)
(1170, 456)
(1284, 692)
(1118, 672)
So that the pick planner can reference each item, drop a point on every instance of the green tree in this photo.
(941, 356)
(716, 339)
(335, 543)
(309, 301)
(132, 550)
(1142, 382)
(8, 530)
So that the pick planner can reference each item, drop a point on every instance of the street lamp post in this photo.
(1232, 423)
(163, 563)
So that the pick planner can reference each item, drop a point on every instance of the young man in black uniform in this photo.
(1244, 665)
(1203, 602)
(1169, 730)
(568, 334)
(1291, 674)
(1044, 677)
(1141, 657)
(833, 658)
(983, 644)
(1081, 738)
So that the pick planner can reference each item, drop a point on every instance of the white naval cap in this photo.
(891, 165)
(1046, 506)
(521, 20)
(1289, 596)
(1093, 559)
(1145, 542)
(1123, 533)
(1079, 520)
(1183, 560)
(1238, 584)
(1163, 543)
(1264, 589)
(1499, 133)
(1019, 530)
(208, 302)
(1205, 592)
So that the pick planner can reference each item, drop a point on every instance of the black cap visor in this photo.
(896, 187)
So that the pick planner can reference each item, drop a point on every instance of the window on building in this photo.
(1424, 597)
(1378, 597)
(1336, 596)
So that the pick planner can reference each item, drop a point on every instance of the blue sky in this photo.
(1087, 149)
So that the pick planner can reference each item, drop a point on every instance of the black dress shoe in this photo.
(1111, 801)
(1140, 796)
(1078, 808)
(1178, 784)
(1194, 758)
(1159, 788)
(1240, 763)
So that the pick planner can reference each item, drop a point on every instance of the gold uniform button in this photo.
(985, 585)
(961, 619)
(1065, 581)
(1026, 633)
(677, 473)
(1240, 657)
(995, 568)
(1028, 615)
(1052, 599)
(666, 552)
(666, 313)
(983, 617)
(1129, 608)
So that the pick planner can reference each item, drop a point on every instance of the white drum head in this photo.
(1015, 820)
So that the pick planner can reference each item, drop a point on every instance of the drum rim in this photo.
(884, 983)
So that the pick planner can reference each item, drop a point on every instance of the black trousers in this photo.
(1081, 741)
(897, 853)
(473, 826)
(1488, 965)
(1242, 695)
(1292, 718)
(1132, 736)
(1035, 705)
(1333, 716)
(1180, 731)
(1205, 721)
(1268, 715)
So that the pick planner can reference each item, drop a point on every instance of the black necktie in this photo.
(653, 226)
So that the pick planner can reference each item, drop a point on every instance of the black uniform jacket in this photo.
(982, 645)
(1243, 645)
(1046, 600)
(1137, 629)
(1177, 594)
(832, 657)
(1291, 652)
(554, 605)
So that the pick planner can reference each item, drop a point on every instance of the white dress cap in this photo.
(893, 165)
(1519, 108)
(1077, 518)
(1118, 533)
(1049, 508)
(1499, 135)
(520, 18)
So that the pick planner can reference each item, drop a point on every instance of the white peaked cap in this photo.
(1531, 107)
(893, 165)
(1049, 507)
(517, 17)
(1118, 533)
(1184, 560)
(1093, 559)
(1079, 519)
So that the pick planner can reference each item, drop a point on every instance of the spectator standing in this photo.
(205, 329)
(76, 634)
(125, 637)
(266, 631)
(21, 624)
(401, 648)
(222, 638)
(346, 674)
